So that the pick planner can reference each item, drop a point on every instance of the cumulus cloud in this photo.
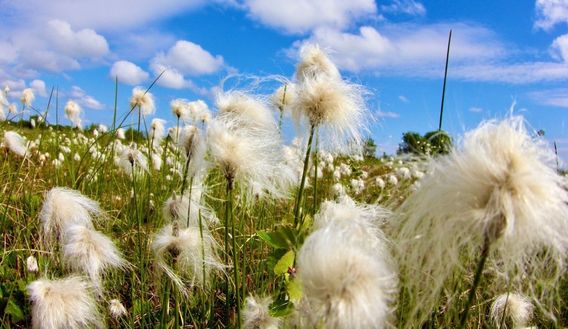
(408, 7)
(170, 77)
(85, 100)
(189, 58)
(550, 12)
(301, 16)
(85, 43)
(560, 47)
(128, 72)
(38, 87)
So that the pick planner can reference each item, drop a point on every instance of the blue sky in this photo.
(503, 52)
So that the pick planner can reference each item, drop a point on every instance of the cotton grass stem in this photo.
(298, 204)
(229, 218)
(476, 280)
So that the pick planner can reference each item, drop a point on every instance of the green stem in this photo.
(298, 205)
(315, 174)
(230, 218)
(477, 278)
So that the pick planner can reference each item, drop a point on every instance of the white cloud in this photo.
(83, 43)
(387, 115)
(403, 99)
(301, 16)
(128, 73)
(550, 13)
(475, 109)
(409, 7)
(97, 14)
(411, 50)
(407, 49)
(560, 47)
(85, 100)
(553, 97)
(39, 87)
(171, 78)
(189, 58)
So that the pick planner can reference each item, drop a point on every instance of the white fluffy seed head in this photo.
(73, 113)
(335, 107)
(344, 285)
(284, 96)
(246, 109)
(256, 314)
(177, 209)
(116, 309)
(27, 97)
(143, 100)
(517, 308)
(199, 111)
(157, 131)
(31, 264)
(16, 143)
(315, 63)
(180, 109)
(500, 185)
(120, 133)
(183, 255)
(64, 303)
(89, 251)
(132, 161)
(63, 207)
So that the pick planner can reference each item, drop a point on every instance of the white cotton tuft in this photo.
(499, 187)
(284, 96)
(132, 161)
(517, 308)
(157, 131)
(116, 309)
(143, 100)
(89, 251)
(315, 63)
(256, 314)
(31, 264)
(247, 110)
(64, 303)
(73, 113)
(27, 97)
(180, 109)
(16, 143)
(63, 207)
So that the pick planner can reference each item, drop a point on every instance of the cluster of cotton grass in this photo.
(67, 224)
(497, 200)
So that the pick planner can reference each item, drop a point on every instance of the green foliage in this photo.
(369, 148)
(432, 143)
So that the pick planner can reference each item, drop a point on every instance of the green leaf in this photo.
(14, 311)
(284, 263)
(281, 308)
(294, 290)
(274, 239)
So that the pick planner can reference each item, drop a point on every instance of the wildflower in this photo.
(357, 186)
(315, 63)
(116, 309)
(143, 100)
(89, 251)
(12, 108)
(392, 180)
(158, 131)
(63, 303)
(177, 208)
(199, 111)
(333, 106)
(380, 182)
(27, 97)
(338, 189)
(256, 314)
(193, 143)
(32, 122)
(77, 157)
(31, 264)
(517, 308)
(284, 96)
(73, 113)
(499, 190)
(63, 207)
(194, 257)
(247, 110)
(344, 285)
(180, 109)
(120, 133)
(16, 143)
(131, 160)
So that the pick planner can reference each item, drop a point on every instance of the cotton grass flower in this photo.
(343, 284)
(499, 190)
(517, 311)
(193, 257)
(120, 133)
(31, 264)
(177, 208)
(89, 251)
(63, 207)
(132, 161)
(248, 110)
(116, 309)
(284, 96)
(27, 97)
(143, 100)
(16, 143)
(73, 113)
(180, 109)
(199, 111)
(315, 63)
(64, 303)
(256, 314)
(157, 131)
